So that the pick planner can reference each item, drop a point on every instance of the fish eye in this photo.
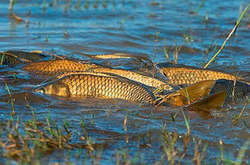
(41, 90)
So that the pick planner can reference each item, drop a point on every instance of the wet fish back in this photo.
(186, 75)
(55, 67)
(147, 80)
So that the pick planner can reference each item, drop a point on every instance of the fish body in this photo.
(147, 80)
(236, 91)
(180, 75)
(97, 86)
(12, 58)
(55, 67)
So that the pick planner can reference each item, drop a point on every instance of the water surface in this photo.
(192, 29)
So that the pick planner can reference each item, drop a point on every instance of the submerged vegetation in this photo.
(229, 35)
(29, 141)
(52, 131)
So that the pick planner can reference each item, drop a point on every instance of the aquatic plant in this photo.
(229, 35)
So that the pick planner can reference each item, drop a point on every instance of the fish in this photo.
(15, 57)
(189, 94)
(58, 66)
(236, 91)
(212, 102)
(185, 75)
(146, 80)
(97, 85)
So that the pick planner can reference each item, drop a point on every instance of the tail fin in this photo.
(190, 94)
(209, 103)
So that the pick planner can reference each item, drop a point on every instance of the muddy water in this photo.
(191, 29)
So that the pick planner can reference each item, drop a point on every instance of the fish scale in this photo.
(55, 67)
(147, 80)
(181, 75)
(99, 86)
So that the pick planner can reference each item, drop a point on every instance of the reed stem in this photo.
(229, 36)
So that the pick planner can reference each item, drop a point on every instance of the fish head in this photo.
(58, 89)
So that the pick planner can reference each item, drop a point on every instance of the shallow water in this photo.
(192, 29)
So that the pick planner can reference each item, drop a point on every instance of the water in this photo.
(192, 29)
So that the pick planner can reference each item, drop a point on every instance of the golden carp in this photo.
(97, 85)
(147, 80)
(179, 74)
(235, 91)
(55, 67)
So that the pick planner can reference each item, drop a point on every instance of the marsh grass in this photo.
(16, 18)
(199, 156)
(176, 54)
(86, 4)
(229, 35)
(242, 152)
(39, 138)
(78, 4)
(27, 142)
(198, 8)
(166, 50)
(11, 4)
(186, 123)
(169, 141)
(173, 58)
(2, 58)
(12, 101)
(237, 118)
(175, 154)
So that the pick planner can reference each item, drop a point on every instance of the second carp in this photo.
(56, 67)
(181, 74)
